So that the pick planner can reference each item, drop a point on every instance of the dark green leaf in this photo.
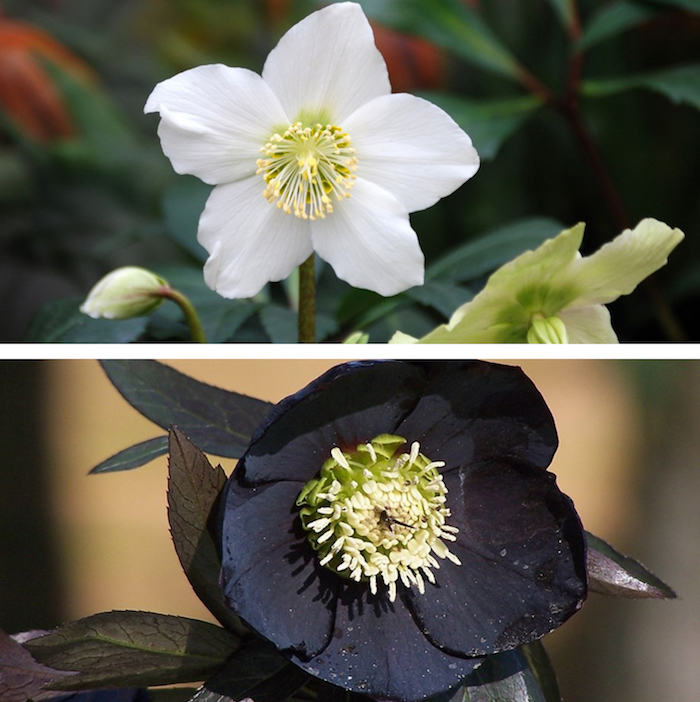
(488, 122)
(183, 203)
(490, 251)
(61, 321)
(257, 672)
(504, 676)
(611, 20)
(680, 84)
(565, 11)
(171, 694)
(218, 421)
(443, 297)
(220, 317)
(123, 649)
(194, 486)
(281, 324)
(611, 573)
(134, 456)
(22, 677)
(538, 660)
(690, 5)
(452, 25)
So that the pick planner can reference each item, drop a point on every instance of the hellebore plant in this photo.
(390, 532)
(554, 295)
(316, 154)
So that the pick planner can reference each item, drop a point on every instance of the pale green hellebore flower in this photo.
(124, 293)
(554, 295)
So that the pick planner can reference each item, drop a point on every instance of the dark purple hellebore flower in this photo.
(394, 522)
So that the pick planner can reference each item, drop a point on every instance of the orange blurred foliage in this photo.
(28, 93)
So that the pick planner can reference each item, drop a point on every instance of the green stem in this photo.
(194, 324)
(307, 302)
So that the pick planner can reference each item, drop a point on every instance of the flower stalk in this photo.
(307, 302)
(194, 323)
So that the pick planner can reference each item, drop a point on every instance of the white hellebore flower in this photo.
(554, 295)
(314, 155)
(124, 293)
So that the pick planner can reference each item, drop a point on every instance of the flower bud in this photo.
(547, 330)
(124, 293)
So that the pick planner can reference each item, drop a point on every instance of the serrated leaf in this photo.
(681, 84)
(194, 487)
(134, 456)
(218, 421)
(21, 676)
(489, 123)
(452, 25)
(257, 672)
(611, 573)
(61, 321)
(611, 20)
(490, 251)
(443, 297)
(124, 649)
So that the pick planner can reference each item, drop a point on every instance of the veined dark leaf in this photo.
(134, 456)
(611, 573)
(124, 649)
(21, 676)
(281, 324)
(218, 421)
(452, 25)
(194, 487)
(489, 251)
(680, 84)
(611, 20)
(61, 321)
(488, 122)
(538, 660)
(257, 672)
(443, 297)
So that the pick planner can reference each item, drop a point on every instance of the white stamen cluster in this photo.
(372, 515)
(305, 166)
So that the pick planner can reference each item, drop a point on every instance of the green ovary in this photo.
(378, 514)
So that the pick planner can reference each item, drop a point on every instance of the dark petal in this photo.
(472, 411)
(270, 575)
(378, 650)
(523, 557)
(350, 404)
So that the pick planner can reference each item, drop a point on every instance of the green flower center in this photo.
(547, 330)
(374, 515)
(306, 167)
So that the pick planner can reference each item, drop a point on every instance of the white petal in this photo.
(250, 242)
(327, 65)
(619, 266)
(589, 325)
(369, 241)
(214, 119)
(411, 148)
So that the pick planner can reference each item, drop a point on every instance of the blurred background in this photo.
(581, 111)
(73, 545)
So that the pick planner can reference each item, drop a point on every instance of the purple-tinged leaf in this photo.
(611, 573)
(194, 486)
(21, 676)
(134, 456)
(125, 649)
(218, 421)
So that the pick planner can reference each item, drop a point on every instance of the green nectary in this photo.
(379, 512)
